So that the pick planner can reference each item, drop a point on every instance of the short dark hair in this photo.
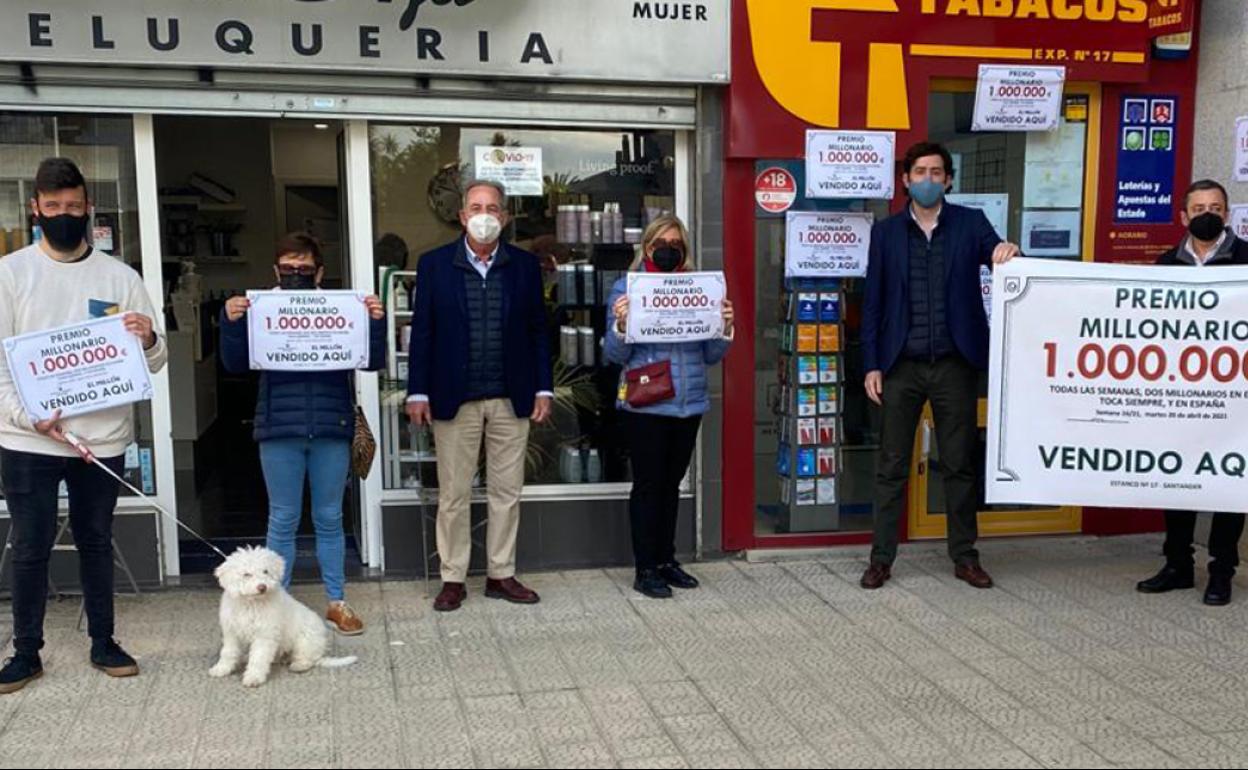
(1201, 186)
(299, 243)
(56, 174)
(924, 149)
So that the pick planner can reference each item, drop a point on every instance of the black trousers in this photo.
(1223, 541)
(30, 484)
(950, 384)
(660, 450)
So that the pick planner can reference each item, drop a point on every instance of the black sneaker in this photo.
(19, 671)
(650, 583)
(107, 656)
(677, 577)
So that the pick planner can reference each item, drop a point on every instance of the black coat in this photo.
(1239, 256)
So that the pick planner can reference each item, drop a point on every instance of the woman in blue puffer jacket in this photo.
(662, 435)
(305, 423)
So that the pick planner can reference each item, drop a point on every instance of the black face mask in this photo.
(297, 282)
(64, 231)
(667, 259)
(1206, 227)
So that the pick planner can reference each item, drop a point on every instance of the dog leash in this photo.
(89, 457)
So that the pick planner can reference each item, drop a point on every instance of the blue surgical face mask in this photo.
(927, 193)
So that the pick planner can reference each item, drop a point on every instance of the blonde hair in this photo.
(656, 228)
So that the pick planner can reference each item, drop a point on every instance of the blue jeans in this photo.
(324, 462)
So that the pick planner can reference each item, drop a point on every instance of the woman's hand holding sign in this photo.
(621, 314)
(236, 308)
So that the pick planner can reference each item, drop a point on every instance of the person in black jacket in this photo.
(1208, 243)
(305, 422)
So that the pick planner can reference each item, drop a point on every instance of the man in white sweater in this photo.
(61, 280)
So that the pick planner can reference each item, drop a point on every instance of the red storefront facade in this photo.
(909, 66)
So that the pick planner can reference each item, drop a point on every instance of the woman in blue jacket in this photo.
(662, 435)
(305, 423)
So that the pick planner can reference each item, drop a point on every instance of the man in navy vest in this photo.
(479, 368)
(925, 339)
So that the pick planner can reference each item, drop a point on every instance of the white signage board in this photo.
(826, 244)
(535, 39)
(675, 307)
(307, 331)
(78, 369)
(1239, 221)
(1241, 149)
(517, 169)
(850, 164)
(1011, 98)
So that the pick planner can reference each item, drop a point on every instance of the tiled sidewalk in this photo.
(785, 665)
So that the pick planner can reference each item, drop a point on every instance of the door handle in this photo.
(925, 445)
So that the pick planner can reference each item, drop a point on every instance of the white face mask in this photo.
(485, 228)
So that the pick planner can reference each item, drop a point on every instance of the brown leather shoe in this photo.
(344, 620)
(972, 574)
(510, 590)
(876, 576)
(450, 598)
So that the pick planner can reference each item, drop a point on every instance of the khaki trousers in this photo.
(459, 447)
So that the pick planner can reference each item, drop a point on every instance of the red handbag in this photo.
(649, 384)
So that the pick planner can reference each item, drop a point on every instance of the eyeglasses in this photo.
(296, 270)
(666, 244)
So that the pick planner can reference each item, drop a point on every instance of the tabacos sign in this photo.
(589, 39)
(847, 62)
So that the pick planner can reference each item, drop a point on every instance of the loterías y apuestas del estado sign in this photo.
(617, 40)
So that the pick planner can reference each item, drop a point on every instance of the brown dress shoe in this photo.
(450, 598)
(510, 590)
(972, 574)
(344, 620)
(876, 576)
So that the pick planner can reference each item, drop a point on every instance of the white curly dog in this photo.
(261, 621)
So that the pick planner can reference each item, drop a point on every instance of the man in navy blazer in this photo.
(479, 368)
(925, 339)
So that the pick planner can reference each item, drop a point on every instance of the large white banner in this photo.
(850, 164)
(307, 331)
(78, 369)
(675, 307)
(832, 244)
(1119, 386)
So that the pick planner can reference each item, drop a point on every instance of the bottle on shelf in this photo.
(596, 227)
(585, 233)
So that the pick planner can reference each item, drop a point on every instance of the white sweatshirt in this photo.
(37, 293)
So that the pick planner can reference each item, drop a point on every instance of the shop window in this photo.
(581, 208)
(103, 148)
(1031, 185)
